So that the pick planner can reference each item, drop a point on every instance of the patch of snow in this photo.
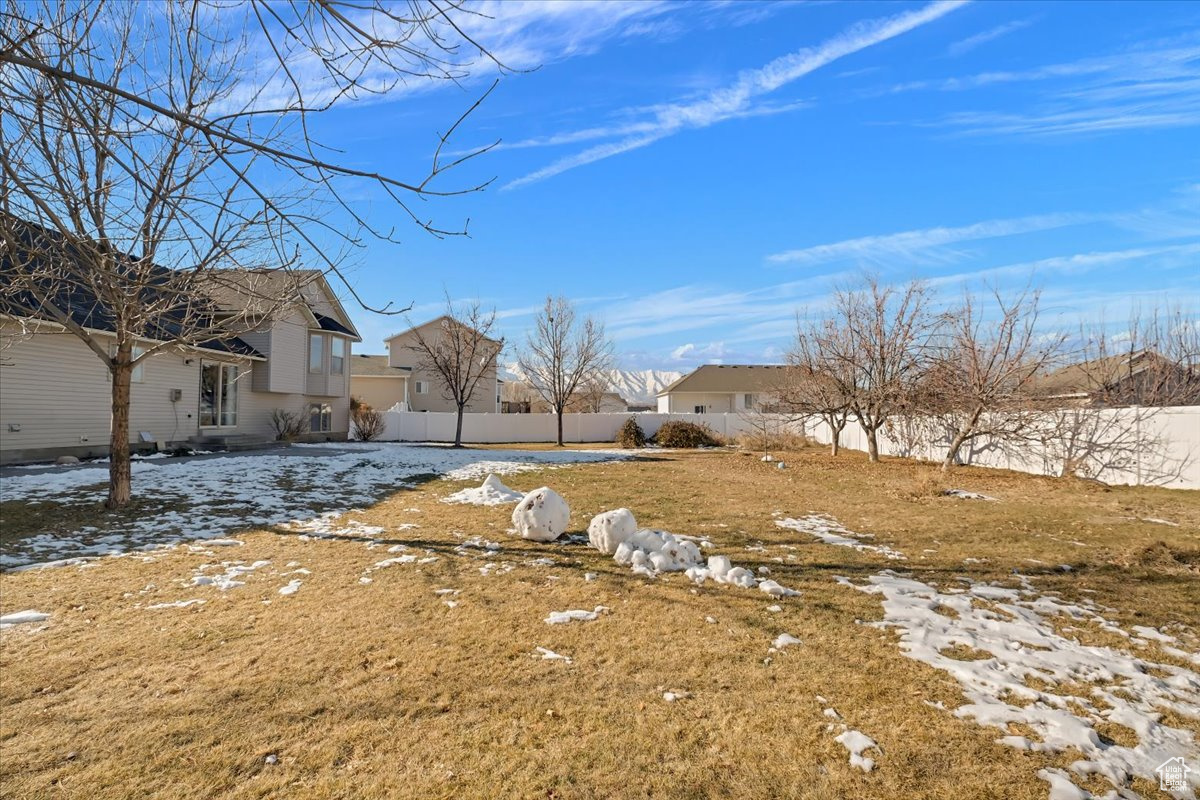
(550, 655)
(675, 694)
(784, 640)
(491, 493)
(575, 615)
(963, 494)
(177, 604)
(774, 609)
(228, 579)
(589, 576)
(22, 618)
(1025, 648)
(831, 531)
(775, 590)
(542, 516)
(252, 491)
(855, 743)
(224, 543)
(1158, 521)
(292, 587)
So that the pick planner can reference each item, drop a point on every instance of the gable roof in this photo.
(729, 378)
(82, 305)
(1085, 377)
(365, 366)
(257, 291)
(430, 322)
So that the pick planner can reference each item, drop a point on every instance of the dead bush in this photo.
(368, 423)
(289, 425)
(685, 435)
(631, 435)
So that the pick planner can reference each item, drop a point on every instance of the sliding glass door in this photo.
(218, 395)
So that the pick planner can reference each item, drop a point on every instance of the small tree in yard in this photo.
(979, 385)
(876, 345)
(461, 353)
(561, 354)
(144, 148)
(819, 383)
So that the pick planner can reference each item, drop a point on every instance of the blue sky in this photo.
(694, 174)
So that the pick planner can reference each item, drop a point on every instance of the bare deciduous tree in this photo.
(819, 383)
(980, 384)
(876, 341)
(146, 148)
(562, 353)
(460, 352)
(589, 397)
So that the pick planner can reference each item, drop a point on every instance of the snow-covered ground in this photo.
(216, 496)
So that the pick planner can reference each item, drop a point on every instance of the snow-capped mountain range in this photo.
(636, 386)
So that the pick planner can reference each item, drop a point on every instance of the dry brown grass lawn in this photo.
(382, 690)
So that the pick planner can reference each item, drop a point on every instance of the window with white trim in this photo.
(320, 417)
(422, 387)
(316, 352)
(699, 409)
(218, 395)
(337, 356)
(748, 401)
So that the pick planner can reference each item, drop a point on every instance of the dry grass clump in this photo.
(1160, 557)
(773, 442)
(926, 483)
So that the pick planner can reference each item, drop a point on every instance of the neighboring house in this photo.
(401, 377)
(518, 397)
(55, 394)
(378, 384)
(1142, 377)
(721, 388)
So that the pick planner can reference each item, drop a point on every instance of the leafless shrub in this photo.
(289, 425)
(368, 425)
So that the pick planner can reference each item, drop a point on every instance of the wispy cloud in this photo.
(734, 100)
(1163, 257)
(971, 42)
(911, 245)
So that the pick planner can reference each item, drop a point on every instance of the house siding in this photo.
(380, 393)
(686, 402)
(57, 391)
(400, 354)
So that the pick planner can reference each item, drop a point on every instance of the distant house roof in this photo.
(79, 303)
(1086, 377)
(429, 322)
(729, 378)
(365, 366)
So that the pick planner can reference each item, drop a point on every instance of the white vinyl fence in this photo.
(1155, 447)
(423, 426)
(1138, 446)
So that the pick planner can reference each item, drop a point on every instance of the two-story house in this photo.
(55, 394)
(402, 378)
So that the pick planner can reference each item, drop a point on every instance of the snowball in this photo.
(606, 531)
(542, 515)
(776, 590)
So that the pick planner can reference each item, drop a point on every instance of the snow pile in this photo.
(542, 515)
(575, 615)
(330, 526)
(649, 552)
(856, 742)
(22, 618)
(228, 579)
(1024, 648)
(784, 640)
(776, 590)
(721, 570)
(830, 531)
(963, 494)
(491, 493)
(292, 587)
(607, 531)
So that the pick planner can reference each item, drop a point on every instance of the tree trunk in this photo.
(458, 428)
(960, 436)
(560, 416)
(872, 443)
(835, 446)
(119, 480)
